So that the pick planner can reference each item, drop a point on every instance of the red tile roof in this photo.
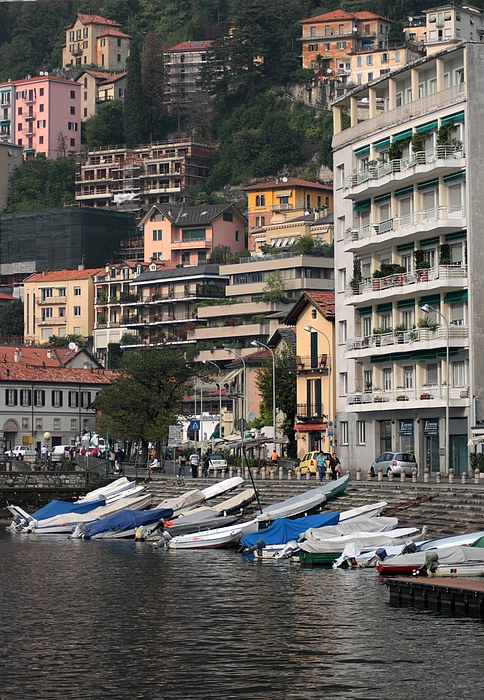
(14, 371)
(290, 182)
(190, 46)
(113, 32)
(324, 301)
(336, 15)
(7, 296)
(64, 275)
(95, 19)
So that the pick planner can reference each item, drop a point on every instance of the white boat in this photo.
(184, 501)
(362, 540)
(222, 487)
(469, 568)
(466, 538)
(370, 510)
(210, 539)
(304, 503)
(408, 564)
(237, 502)
(350, 527)
(102, 493)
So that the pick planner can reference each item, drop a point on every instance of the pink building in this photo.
(188, 235)
(45, 113)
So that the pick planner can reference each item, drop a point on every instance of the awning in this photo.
(404, 190)
(428, 126)
(365, 311)
(431, 299)
(362, 151)
(382, 142)
(405, 246)
(382, 198)
(456, 117)
(429, 241)
(456, 236)
(427, 185)
(360, 206)
(309, 427)
(456, 297)
(406, 304)
(383, 307)
(416, 356)
(403, 135)
(455, 176)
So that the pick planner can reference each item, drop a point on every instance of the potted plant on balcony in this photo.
(101, 320)
(368, 386)
(377, 276)
(445, 257)
(399, 331)
(418, 141)
(422, 271)
(425, 322)
(356, 280)
(378, 332)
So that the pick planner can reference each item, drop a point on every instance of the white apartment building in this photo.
(408, 218)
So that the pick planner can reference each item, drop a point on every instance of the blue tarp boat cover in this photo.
(283, 530)
(126, 520)
(60, 507)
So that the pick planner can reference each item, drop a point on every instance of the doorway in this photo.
(459, 457)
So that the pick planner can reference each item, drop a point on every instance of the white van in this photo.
(59, 451)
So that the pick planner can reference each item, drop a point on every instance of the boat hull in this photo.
(317, 558)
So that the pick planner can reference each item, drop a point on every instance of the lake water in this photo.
(123, 621)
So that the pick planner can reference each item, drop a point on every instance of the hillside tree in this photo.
(133, 116)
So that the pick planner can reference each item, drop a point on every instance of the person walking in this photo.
(335, 466)
(206, 465)
(181, 465)
(321, 465)
(194, 462)
(112, 459)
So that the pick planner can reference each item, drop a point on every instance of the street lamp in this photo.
(256, 343)
(311, 329)
(426, 308)
(219, 398)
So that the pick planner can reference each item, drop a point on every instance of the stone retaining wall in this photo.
(42, 480)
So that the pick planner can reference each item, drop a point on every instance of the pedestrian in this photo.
(112, 459)
(153, 465)
(44, 452)
(206, 465)
(320, 464)
(334, 465)
(119, 459)
(194, 462)
(274, 457)
(181, 465)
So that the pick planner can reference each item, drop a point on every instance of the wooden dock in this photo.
(454, 597)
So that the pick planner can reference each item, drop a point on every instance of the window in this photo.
(72, 109)
(102, 42)
(361, 432)
(72, 141)
(102, 59)
(343, 432)
(119, 41)
(25, 397)
(85, 32)
(73, 423)
(25, 423)
(72, 126)
(359, 61)
(370, 77)
(342, 279)
(46, 313)
(384, 58)
(73, 399)
(457, 314)
(368, 379)
(408, 377)
(327, 47)
(432, 374)
(343, 383)
(312, 47)
(342, 332)
(62, 312)
(77, 291)
(39, 397)
(19, 127)
(341, 45)
(73, 94)
(85, 398)
(56, 398)
(387, 379)
(195, 234)
(78, 34)
(458, 373)
(10, 397)
(77, 310)
(56, 423)
(157, 234)
(118, 57)
(367, 326)
(61, 292)
(41, 108)
(202, 257)
(312, 31)
(397, 56)
(227, 216)
(41, 124)
(369, 60)
(38, 423)
(236, 235)
(85, 111)
(71, 36)
(260, 200)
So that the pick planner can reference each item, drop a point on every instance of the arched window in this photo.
(262, 200)
(257, 200)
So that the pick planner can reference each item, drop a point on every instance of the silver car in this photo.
(395, 462)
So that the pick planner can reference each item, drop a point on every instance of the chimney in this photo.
(80, 267)
(49, 354)
(17, 355)
(86, 365)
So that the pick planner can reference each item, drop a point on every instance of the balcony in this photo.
(438, 161)
(439, 220)
(306, 411)
(377, 288)
(281, 207)
(401, 341)
(76, 52)
(178, 244)
(415, 398)
(308, 363)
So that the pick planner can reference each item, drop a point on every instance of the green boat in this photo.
(318, 558)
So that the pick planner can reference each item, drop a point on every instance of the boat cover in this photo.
(236, 502)
(448, 555)
(126, 520)
(222, 487)
(469, 538)
(351, 526)
(308, 499)
(186, 500)
(60, 507)
(365, 541)
(139, 502)
(283, 530)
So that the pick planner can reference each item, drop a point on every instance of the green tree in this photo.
(105, 128)
(133, 118)
(58, 341)
(12, 319)
(275, 288)
(152, 76)
(146, 396)
(220, 254)
(285, 389)
(40, 183)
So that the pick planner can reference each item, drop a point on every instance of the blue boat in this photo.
(123, 524)
(283, 530)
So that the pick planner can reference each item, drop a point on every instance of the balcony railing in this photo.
(400, 165)
(424, 217)
(424, 394)
(403, 279)
(306, 411)
(410, 337)
(281, 207)
(308, 362)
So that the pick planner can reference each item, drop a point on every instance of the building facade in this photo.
(59, 303)
(42, 115)
(98, 87)
(95, 41)
(10, 158)
(183, 63)
(408, 214)
(158, 173)
(284, 234)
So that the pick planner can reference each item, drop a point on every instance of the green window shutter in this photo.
(427, 127)
(455, 176)
(407, 134)
(426, 185)
(456, 117)
(456, 297)
(361, 206)
(314, 350)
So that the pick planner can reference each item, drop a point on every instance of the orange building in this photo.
(92, 40)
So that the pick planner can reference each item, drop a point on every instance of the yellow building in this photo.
(285, 234)
(59, 303)
(92, 40)
(283, 199)
(313, 319)
(98, 87)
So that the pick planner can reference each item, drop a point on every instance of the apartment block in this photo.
(98, 87)
(94, 41)
(10, 158)
(188, 235)
(7, 107)
(285, 233)
(157, 173)
(183, 63)
(408, 216)
(59, 303)
(43, 114)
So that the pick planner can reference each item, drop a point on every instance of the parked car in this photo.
(308, 462)
(395, 462)
(217, 463)
(59, 451)
(19, 451)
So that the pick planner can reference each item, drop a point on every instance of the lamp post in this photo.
(426, 308)
(311, 329)
(219, 398)
(258, 343)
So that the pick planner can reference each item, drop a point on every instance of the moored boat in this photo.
(120, 525)
(410, 564)
(210, 539)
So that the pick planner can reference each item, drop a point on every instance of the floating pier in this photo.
(455, 597)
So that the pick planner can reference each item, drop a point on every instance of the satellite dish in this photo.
(72, 345)
(284, 179)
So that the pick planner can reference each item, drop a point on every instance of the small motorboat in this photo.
(120, 525)
(413, 564)
(210, 539)
(222, 487)
(304, 503)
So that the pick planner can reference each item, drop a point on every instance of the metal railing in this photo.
(415, 335)
(424, 393)
(403, 279)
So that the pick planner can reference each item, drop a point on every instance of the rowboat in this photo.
(210, 539)
(120, 525)
(304, 503)
(369, 510)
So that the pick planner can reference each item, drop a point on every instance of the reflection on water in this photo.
(119, 620)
